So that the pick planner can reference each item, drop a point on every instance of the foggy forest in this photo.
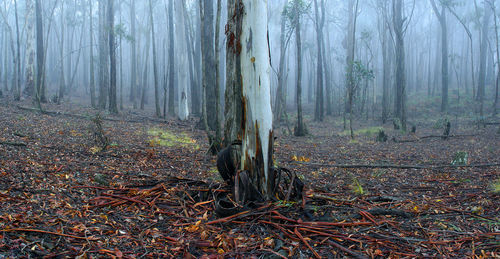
(249, 129)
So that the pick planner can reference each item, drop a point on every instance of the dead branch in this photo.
(45, 232)
(347, 250)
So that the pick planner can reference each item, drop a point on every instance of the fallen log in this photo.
(16, 144)
(431, 136)
(87, 117)
(396, 166)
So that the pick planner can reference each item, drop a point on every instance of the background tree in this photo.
(113, 108)
(40, 56)
(482, 58)
(444, 54)
(398, 22)
(295, 10)
(155, 65)
(319, 111)
(30, 48)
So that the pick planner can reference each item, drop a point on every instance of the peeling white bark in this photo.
(255, 72)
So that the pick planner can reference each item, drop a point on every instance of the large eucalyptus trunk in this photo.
(257, 147)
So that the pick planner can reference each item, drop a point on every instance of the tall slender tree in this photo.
(182, 64)
(444, 54)
(320, 22)
(155, 65)
(40, 56)
(30, 48)
(92, 76)
(482, 58)
(133, 58)
(171, 64)
(397, 7)
(103, 56)
(113, 107)
(17, 91)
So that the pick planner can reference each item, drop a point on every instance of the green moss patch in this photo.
(166, 138)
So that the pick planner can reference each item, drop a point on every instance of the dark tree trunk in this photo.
(233, 96)
(319, 107)
(113, 108)
(400, 61)
(209, 61)
(300, 129)
(444, 55)
(155, 65)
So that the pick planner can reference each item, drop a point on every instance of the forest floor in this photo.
(150, 193)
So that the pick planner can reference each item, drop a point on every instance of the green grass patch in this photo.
(496, 186)
(370, 132)
(166, 138)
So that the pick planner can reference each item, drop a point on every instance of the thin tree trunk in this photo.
(300, 129)
(113, 108)
(155, 68)
(62, 81)
(171, 64)
(17, 91)
(30, 50)
(92, 76)
(182, 63)
(133, 58)
(400, 60)
(319, 108)
(40, 81)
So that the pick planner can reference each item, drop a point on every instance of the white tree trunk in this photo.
(255, 73)
(30, 48)
(182, 64)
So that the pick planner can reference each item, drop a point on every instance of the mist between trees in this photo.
(352, 58)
